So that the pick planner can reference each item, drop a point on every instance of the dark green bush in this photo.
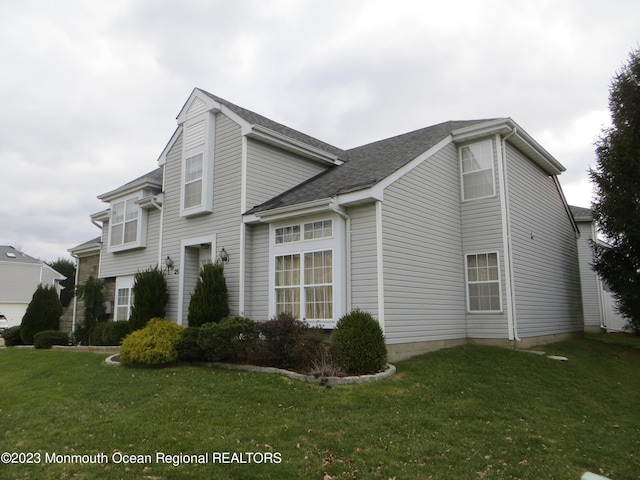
(12, 336)
(154, 344)
(279, 337)
(310, 348)
(110, 333)
(91, 293)
(48, 338)
(43, 313)
(229, 339)
(150, 297)
(188, 348)
(357, 344)
(210, 299)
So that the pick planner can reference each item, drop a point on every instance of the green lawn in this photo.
(462, 413)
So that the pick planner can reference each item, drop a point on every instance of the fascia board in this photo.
(129, 189)
(292, 211)
(162, 159)
(86, 250)
(521, 139)
(212, 105)
(274, 138)
(101, 216)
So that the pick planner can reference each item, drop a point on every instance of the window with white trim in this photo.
(124, 222)
(304, 273)
(193, 181)
(124, 298)
(476, 165)
(305, 281)
(483, 283)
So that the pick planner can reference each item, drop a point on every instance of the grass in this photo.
(462, 413)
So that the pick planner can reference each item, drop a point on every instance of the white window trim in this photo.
(462, 173)
(466, 279)
(124, 282)
(141, 232)
(335, 243)
(207, 149)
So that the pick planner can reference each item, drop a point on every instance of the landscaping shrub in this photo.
(155, 344)
(279, 337)
(43, 313)
(12, 336)
(188, 348)
(357, 344)
(110, 333)
(310, 348)
(150, 297)
(229, 339)
(48, 338)
(210, 299)
(91, 293)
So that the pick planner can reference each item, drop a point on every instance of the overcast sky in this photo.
(90, 89)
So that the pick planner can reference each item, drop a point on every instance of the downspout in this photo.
(75, 296)
(159, 207)
(512, 320)
(347, 220)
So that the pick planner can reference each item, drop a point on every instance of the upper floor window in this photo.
(193, 181)
(306, 231)
(478, 178)
(124, 222)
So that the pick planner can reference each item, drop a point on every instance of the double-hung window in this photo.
(124, 222)
(193, 181)
(304, 270)
(124, 298)
(478, 178)
(483, 283)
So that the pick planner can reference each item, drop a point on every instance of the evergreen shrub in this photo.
(91, 293)
(310, 348)
(43, 313)
(210, 299)
(110, 333)
(48, 338)
(357, 344)
(12, 336)
(155, 344)
(150, 297)
(188, 348)
(279, 337)
(229, 339)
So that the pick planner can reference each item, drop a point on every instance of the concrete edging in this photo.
(318, 380)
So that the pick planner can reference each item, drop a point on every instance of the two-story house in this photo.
(452, 233)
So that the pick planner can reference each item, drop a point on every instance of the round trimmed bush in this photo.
(357, 344)
(12, 336)
(155, 344)
(227, 340)
(188, 348)
(48, 338)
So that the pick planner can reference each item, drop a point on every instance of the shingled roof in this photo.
(366, 165)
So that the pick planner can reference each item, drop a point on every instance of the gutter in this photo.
(512, 321)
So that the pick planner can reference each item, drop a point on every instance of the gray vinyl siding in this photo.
(364, 273)
(18, 281)
(482, 233)
(271, 171)
(545, 252)
(128, 262)
(257, 272)
(422, 250)
(588, 278)
(224, 222)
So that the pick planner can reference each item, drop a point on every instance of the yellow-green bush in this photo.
(155, 344)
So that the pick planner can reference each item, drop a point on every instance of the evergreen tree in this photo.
(616, 206)
(68, 269)
(43, 313)
(93, 297)
(210, 299)
(150, 297)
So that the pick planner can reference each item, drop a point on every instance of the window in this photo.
(483, 283)
(124, 222)
(193, 181)
(477, 170)
(305, 279)
(288, 234)
(124, 298)
(321, 229)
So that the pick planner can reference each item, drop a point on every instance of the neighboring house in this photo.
(453, 233)
(20, 276)
(598, 302)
